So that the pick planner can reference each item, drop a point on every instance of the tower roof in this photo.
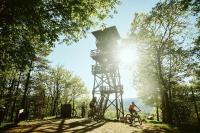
(110, 32)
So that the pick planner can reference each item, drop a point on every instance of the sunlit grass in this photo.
(160, 125)
(35, 121)
(26, 123)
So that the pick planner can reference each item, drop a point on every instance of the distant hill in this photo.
(139, 103)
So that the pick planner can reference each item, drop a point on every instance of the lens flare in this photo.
(128, 56)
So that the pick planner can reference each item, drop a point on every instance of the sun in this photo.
(128, 55)
(129, 59)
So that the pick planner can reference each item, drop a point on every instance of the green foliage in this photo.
(29, 26)
(84, 100)
(28, 32)
(162, 36)
(62, 87)
(159, 125)
(46, 90)
(110, 114)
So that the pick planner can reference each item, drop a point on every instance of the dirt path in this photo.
(82, 126)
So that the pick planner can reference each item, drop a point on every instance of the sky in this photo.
(76, 57)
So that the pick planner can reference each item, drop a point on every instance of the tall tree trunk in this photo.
(170, 112)
(23, 103)
(52, 105)
(56, 98)
(9, 97)
(157, 113)
(157, 109)
(163, 90)
(163, 108)
(73, 102)
(195, 106)
(168, 109)
(3, 86)
(15, 98)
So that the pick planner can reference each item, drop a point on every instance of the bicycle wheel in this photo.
(139, 120)
(129, 119)
(97, 115)
(90, 114)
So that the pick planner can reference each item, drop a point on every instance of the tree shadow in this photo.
(27, 128)
(39, 125)
(189, 128)
(155, 122)
(65, 125)
(7, 126)
(59, 130)
(87, 128)
(151, 130)
(81, 126)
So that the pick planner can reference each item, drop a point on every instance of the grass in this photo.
(31, 122)
(158, 124)
(170, 128)
(148, 127)
(6, 125)
(35, 121)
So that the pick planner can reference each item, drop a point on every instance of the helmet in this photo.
(133, 103)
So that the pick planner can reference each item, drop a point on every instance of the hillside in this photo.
(139, 103)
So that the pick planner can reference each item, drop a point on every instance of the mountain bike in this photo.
(133, 118)
(94, 114)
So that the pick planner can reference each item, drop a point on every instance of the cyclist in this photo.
(93, 105)
(133, 109)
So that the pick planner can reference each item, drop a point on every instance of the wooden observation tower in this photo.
(107, 85)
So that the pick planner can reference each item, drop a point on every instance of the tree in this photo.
(28, 32)
(62, 87)
(161, 33)
(26, 26)
(57, 79)
(77, 89)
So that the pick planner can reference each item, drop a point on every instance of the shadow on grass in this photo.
(189, 128)
(7, 126)
(157, 127)
(156, 130)
(10, 125)
(155, 122)
(64, 125)
(39, 125)
(83, 126)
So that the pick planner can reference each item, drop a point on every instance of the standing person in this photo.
(83, 110)
(133, 109)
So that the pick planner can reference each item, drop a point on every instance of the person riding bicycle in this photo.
(93, 105)
(133, 109)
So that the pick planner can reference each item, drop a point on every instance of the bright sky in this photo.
(76, 57)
